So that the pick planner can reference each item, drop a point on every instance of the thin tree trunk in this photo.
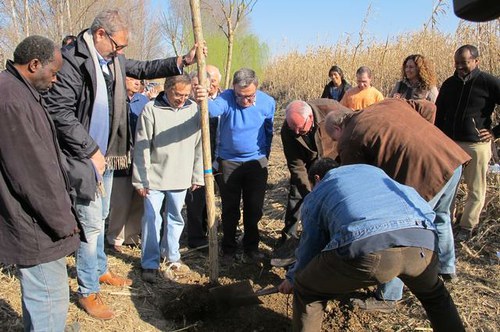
(213, 257)
(26, 18)
(230, 44)
(15, 21)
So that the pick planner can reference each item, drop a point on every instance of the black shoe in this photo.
(149, 275)
(449, 277)
(463, 234)
(226, 258)
(253, 257)
(285, 254)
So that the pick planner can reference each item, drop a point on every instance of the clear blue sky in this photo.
(296, 24)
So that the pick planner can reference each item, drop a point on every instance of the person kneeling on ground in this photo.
(361, 228)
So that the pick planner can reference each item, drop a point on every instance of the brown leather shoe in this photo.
(112, 279)
(95, 307)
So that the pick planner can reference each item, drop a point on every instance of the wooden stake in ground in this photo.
(213, 272)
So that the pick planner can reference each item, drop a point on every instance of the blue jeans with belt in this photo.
(91, 261)
(441, 204)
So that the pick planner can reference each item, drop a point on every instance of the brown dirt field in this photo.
(183, 305)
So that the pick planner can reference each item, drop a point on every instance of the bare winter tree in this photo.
(233, 11)
(175, 25)
(58, 18)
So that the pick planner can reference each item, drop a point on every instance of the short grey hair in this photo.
(337, 118)
(298, 107)
(111, 20)
(245, 77)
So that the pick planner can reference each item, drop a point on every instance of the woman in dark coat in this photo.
(336, 88)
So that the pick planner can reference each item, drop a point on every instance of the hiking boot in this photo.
(371, 304)
(95, 307)
(284, 255)
(175, 270)
(113, 279)
(149, 275)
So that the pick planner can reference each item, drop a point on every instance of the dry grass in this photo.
(303, 75)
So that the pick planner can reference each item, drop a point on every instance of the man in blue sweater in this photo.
(245, 133)
(361, 228)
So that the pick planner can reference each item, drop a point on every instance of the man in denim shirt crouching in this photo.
(361, 228)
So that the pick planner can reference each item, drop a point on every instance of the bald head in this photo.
(299, 117)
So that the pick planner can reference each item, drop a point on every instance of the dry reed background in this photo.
(302, 76)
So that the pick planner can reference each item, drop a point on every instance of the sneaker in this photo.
(371, 304)
(284, 255)
(149, 275)
(175, 270)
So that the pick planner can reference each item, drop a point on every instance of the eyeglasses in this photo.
(115, 44)
(303, 129)
(247, 98)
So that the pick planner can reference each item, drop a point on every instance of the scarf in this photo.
(112, 138)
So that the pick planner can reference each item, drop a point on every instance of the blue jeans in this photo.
(91, 261)
(441, 204)
(45, 295)
(152, 250)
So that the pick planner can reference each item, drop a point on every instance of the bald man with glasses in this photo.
(304, 141)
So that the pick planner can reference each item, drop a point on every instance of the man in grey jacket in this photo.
(88, 106)
(167, 161)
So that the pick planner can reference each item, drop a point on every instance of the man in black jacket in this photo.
(304, 141)
(38, 226)
(465, 105)
(88, 106)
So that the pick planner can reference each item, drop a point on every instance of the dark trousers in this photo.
(196, 210)
(292, 215)
(248, 180)
(328, 275)
(196, 204)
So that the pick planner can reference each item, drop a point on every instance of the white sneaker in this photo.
(175, 270)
